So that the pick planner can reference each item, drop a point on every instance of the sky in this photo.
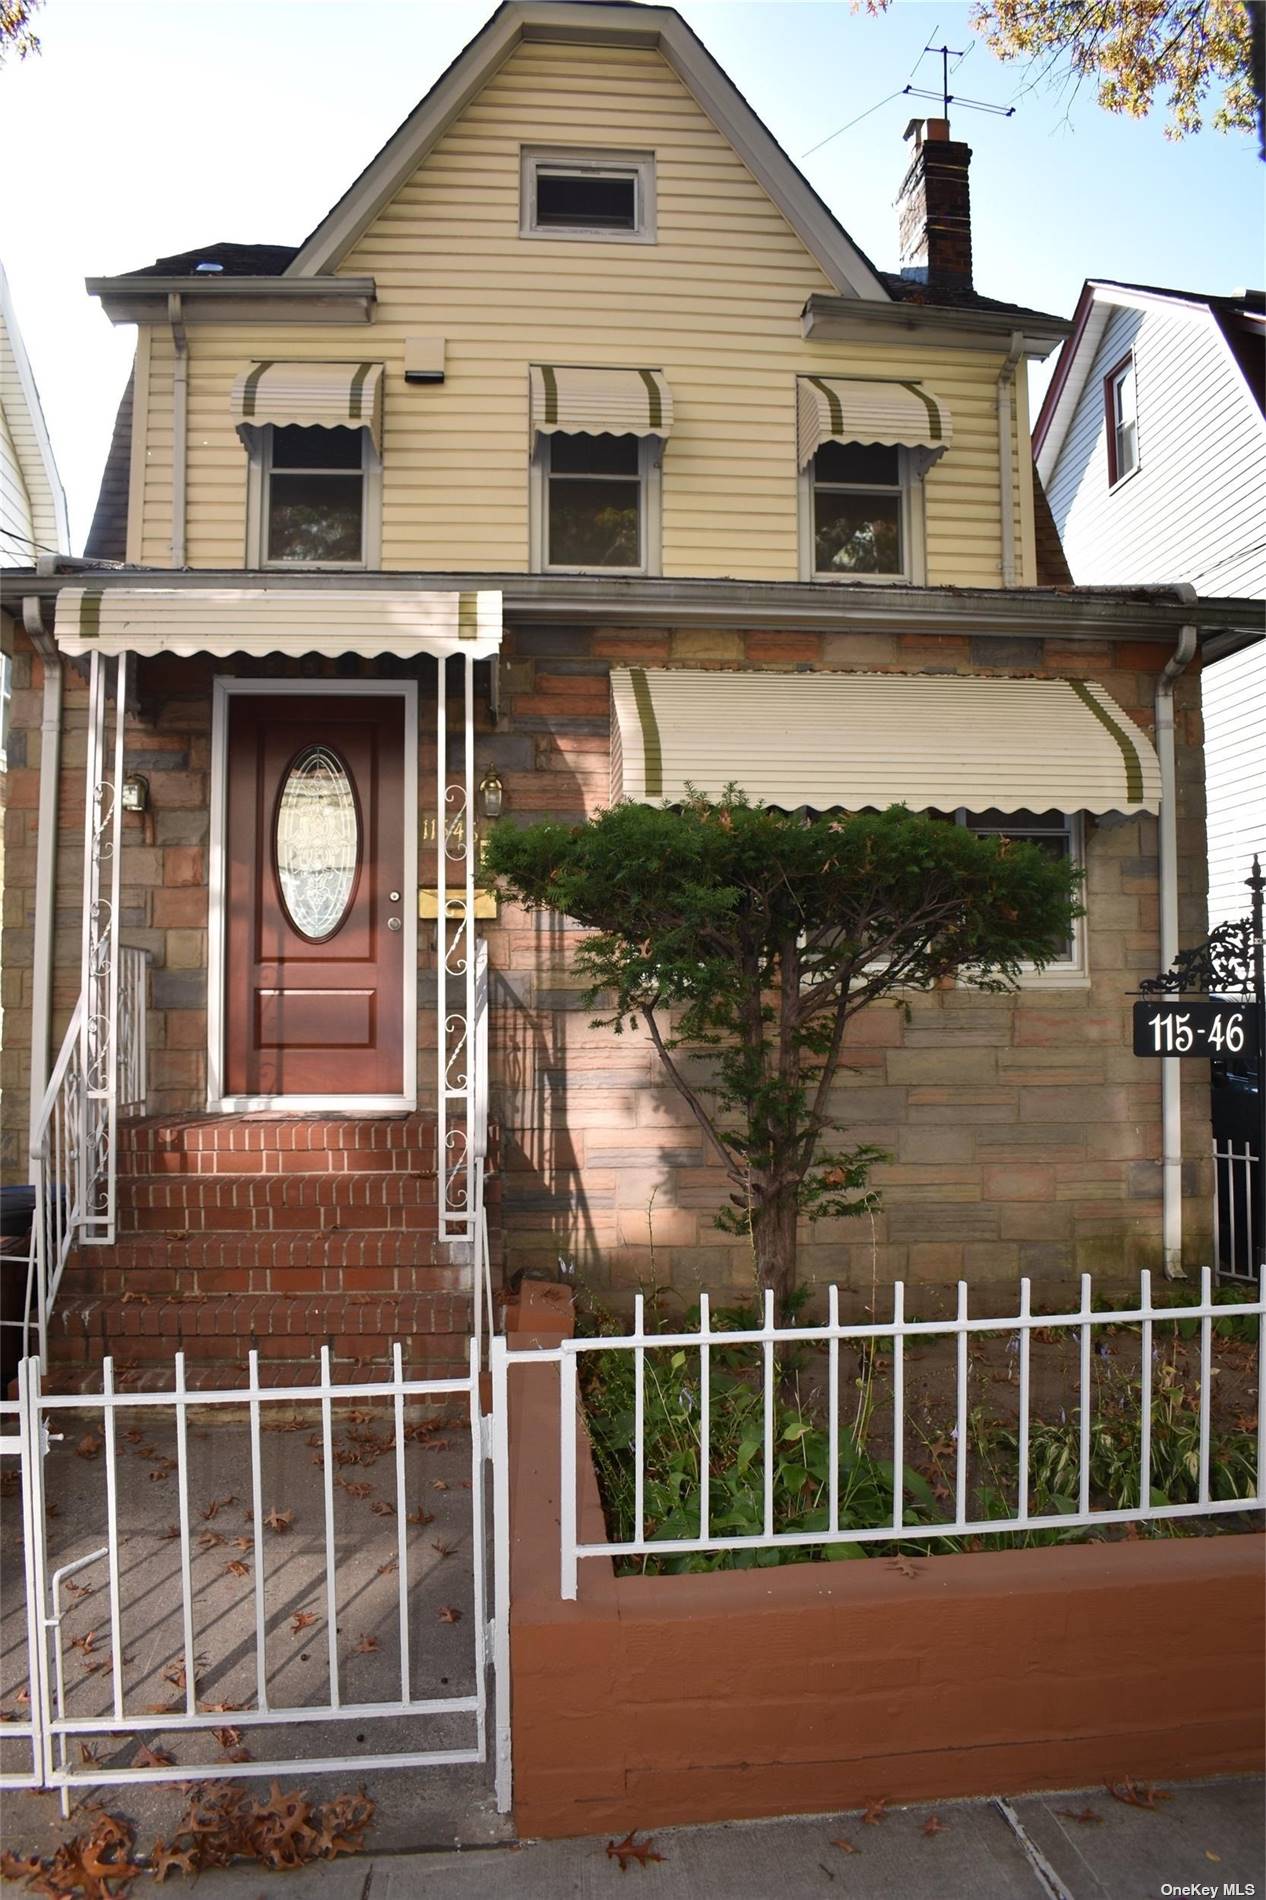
(146, 127)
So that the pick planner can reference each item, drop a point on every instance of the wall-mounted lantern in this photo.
(135, 794)
(491, 793)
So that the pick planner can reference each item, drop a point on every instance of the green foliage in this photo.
(16, 32)
(1131, 50)
(746, 940)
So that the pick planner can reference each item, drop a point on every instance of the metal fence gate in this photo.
(178, 1545)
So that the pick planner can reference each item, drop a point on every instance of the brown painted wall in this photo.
(819, 1687)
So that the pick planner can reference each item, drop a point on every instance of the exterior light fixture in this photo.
(491, 793)
(135, 792)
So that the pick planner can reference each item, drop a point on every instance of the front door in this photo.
(317, 896)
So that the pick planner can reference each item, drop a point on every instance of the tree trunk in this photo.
(774, 1238)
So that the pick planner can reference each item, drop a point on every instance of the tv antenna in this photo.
(948, 98)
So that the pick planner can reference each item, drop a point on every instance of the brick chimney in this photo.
(934, 208)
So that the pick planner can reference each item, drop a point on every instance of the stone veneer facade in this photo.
(1025, 1136)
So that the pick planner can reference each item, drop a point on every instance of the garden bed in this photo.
(801, 1434)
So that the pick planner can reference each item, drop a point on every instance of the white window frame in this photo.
(578, 161)
(1071, 972)
(259, 469)
(649, 475)
(6, 706)
(1124, 427)
(912, 467)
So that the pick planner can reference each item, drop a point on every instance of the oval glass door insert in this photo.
(317, 843)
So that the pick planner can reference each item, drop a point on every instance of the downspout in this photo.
(179, 427)
(1167, 830)
(1006, 380)
(45, 858)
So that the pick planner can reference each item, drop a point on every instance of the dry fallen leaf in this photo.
(279, 1520)
(236, 1568)
(1135, 1796)
(421, 1516)
(207, 1540)
(382, 1507)
(366, 1646)
(218, 1504)
(302, 1620)
(449, 1613)
(444, 1549)
(89, 1445)
(846, 1846)
(164, 1858)
(933, 1825)
(875, 1811)
(630, 1850)
(146, 1757)
(1086, 1816)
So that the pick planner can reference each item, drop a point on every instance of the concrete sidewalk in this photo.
(1208, 1839)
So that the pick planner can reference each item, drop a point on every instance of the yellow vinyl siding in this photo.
(715, 303)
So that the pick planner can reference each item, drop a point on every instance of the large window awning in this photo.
(309, 395)
(854, 740)
(600, 401)
(849, 409)
(287, 620)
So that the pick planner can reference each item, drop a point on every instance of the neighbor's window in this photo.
(314, 497)
(593, 500)
(859, 513)
(1059, 835)
(569, 194)
(1120, 404)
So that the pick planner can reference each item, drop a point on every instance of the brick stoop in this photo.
(279, 1232)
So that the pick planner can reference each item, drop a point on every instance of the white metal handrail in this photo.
(73, 1168)
(960, 1520)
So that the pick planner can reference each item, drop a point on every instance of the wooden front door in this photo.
(316, 895)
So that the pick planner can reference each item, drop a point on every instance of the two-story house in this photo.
(577, 454)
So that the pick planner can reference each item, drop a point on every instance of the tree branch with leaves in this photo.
(745, 941)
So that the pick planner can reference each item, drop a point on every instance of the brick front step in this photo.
(334, 1248)
(320, 1137)
(216, 1332)
(261, 1203)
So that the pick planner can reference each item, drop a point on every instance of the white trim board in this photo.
(217, 1101)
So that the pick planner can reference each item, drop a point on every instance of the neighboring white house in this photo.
(32, 503)
(1151, 446)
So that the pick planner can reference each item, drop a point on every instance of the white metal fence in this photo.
(1237, 1210)
(175, 1617)
(771, 1343)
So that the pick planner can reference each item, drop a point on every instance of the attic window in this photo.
(605, 196)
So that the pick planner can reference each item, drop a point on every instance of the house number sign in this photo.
(1184, 1026)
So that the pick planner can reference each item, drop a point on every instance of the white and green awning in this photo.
(286, 620)
(849, 741)
(309, 395)
(569, 401)
(851, 409)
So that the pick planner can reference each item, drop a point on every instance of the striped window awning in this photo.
(849, 409)
(849, 741)
(288, 620)
(309, 395)
(599, 401)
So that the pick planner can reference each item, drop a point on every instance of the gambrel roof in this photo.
(582, 22)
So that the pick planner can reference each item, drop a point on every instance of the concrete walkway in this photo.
(1208, 1839)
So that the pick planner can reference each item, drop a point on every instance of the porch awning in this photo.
(851, 740)
(311, 395)
(600, 401)
(224, 620)
(849, 409)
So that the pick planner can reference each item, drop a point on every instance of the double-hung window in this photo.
(597, 441)
(1120, 406)
(1060, 835)
(313, 501)
(863, 448)
(859, 511)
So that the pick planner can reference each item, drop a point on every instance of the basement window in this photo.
(608, 196)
